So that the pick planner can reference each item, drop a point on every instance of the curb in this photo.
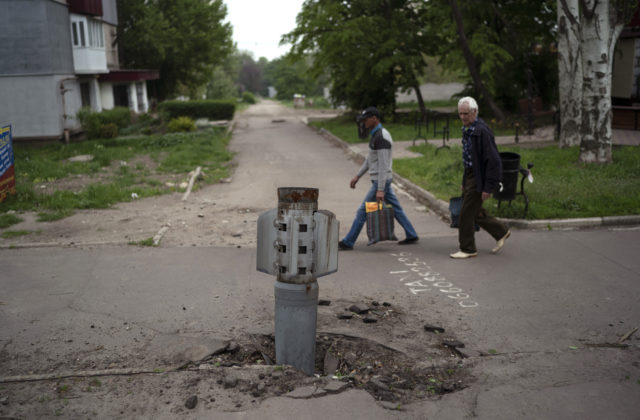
(441, 208)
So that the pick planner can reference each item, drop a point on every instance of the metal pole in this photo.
(295, 325)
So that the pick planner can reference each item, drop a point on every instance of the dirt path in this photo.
(211, 215)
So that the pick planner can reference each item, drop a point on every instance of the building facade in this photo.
(57, 56)
(625, 80)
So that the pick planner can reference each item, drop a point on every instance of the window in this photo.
(96, 37)
(77, 32)
(140, 97)
(83, 43)
(85, 94)
(74, 32)
(86, 32)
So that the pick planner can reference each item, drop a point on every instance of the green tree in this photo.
(184, 39)
(250, 75)
(290, 76)
(368, 48)
(504, 46)
(588, 31)
(221, 85)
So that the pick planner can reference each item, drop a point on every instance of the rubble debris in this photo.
(331, 363)
(433, 329)
(359, 308)
(191, 402)
(451, 343)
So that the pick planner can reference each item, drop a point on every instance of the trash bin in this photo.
(510, 170)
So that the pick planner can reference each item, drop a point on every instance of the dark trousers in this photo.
(472, 213)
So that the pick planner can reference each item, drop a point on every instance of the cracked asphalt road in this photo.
(540, 321)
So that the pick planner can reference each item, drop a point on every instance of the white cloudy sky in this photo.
(259, 24)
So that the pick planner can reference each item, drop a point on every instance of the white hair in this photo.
(473, 105)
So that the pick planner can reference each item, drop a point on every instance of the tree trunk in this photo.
(471, 63)
(423, 108)
(569, 72)
(599, 34)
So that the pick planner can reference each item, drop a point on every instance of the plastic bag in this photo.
(380, 222)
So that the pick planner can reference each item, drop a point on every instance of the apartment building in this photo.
(625, 81)
(57, 56)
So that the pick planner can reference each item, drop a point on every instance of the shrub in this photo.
(90, 122)
(211, 109)
(145, 118)
(94, 123)
(181, 124)
(120, 116)
(108, 131)
(248, 97)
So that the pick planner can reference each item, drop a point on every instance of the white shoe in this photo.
(500, 243)
(461, 255)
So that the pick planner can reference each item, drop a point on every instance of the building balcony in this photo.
(90, 60)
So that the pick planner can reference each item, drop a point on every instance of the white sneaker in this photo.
(461, 255)
(500, 243)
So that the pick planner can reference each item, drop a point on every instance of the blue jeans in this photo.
(361, 214)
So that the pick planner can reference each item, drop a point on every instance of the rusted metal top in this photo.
(295, 195)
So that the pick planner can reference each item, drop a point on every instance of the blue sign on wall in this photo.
(7, 171)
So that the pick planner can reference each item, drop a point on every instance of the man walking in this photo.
(482, 173)
(378, 163)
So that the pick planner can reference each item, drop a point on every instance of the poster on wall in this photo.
(7, 171)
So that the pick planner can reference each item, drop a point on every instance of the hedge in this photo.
(211, 109)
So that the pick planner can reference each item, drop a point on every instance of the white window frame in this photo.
(96, 36)
(78, 33)
(86, 32)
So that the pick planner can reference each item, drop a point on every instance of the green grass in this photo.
(143, 242)
(403, 127)
(8, 234)
(173, 154)
(562, 187)
(345, 128)
(7, 220)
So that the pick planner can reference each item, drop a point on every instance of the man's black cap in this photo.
(371, 111)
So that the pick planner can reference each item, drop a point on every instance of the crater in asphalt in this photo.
(386, 373)
(398, 360)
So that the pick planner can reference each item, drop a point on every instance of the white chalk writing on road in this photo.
(419, 277)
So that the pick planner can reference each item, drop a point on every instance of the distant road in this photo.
(431, 92)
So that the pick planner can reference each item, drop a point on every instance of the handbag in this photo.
(455, 206)
(380, 218)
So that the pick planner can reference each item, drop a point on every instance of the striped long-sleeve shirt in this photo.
(379, 161)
